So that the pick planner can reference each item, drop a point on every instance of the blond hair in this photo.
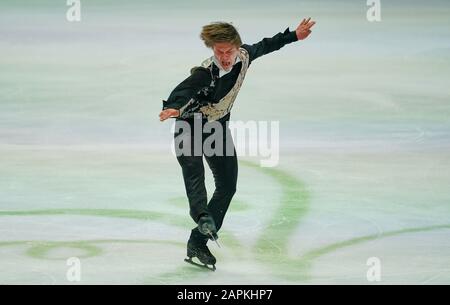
(220, 32)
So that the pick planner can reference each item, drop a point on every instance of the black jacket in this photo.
(201, 77)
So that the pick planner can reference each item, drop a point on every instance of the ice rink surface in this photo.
(86, 168)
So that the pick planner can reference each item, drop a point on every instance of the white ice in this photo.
(86, 169)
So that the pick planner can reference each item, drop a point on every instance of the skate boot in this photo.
(196, 248)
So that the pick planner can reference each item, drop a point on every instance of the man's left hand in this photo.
(304, 28)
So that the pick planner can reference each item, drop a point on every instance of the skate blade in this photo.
(204, 266)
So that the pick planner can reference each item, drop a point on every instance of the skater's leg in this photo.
(193, 172)
(225, 172)
(194, 181)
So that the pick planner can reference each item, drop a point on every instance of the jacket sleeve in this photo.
(268, 45)
(200, 77)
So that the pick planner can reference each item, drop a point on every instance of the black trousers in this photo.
(223, 164)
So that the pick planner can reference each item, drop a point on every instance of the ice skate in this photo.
(200, 251)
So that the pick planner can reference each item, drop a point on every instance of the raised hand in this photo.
(304, 28)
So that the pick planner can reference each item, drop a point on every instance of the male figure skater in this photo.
(206, 97)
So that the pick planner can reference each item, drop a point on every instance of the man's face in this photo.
(226, 54)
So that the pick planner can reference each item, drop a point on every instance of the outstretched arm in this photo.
(268, 45)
